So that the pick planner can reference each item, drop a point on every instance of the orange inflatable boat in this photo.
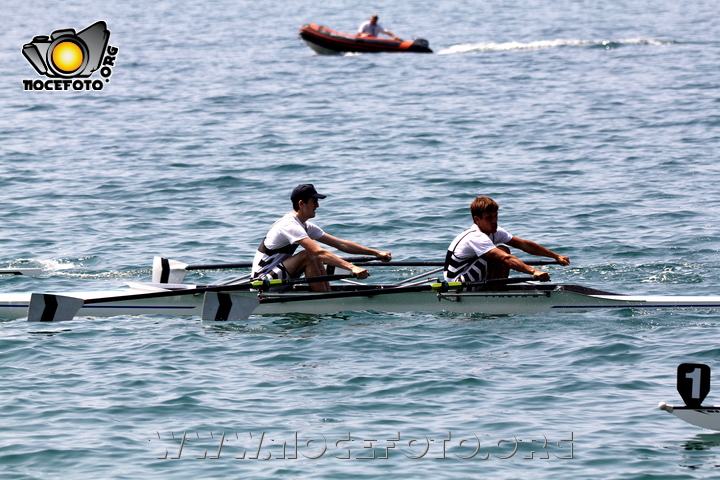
(329, 42)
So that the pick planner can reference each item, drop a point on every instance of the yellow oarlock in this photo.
(267, 283)
(445, 286)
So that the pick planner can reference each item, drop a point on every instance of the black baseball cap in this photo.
(305, 192)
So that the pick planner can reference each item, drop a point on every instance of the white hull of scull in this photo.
(530, 300)
(493, 303)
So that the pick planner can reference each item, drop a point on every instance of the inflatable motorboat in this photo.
(329, 42)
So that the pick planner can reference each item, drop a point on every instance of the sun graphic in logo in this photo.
(67, 56)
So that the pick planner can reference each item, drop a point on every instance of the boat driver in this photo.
(474, 255)
(373, 29)
(276, 257)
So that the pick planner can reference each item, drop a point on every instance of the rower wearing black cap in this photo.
(276, 257)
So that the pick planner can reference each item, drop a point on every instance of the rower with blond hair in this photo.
(476, 254)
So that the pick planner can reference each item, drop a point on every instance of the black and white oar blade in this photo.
(220, 307)
(45, 307)
(168, 271)
(29, 272)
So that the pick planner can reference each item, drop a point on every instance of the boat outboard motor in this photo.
(420, 45)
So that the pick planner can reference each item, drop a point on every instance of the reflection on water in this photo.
(276, 325)
(704, 441)
(701, 452)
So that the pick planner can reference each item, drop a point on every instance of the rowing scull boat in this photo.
(183, 299)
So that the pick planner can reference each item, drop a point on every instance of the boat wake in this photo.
(55, 265)
(545, 44)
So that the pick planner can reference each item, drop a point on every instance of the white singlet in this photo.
(280, 244)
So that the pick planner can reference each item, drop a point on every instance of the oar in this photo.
(166, 270)
(49, 307)
(30, 272)
(173, 271)
(371, 261)
(222, 306)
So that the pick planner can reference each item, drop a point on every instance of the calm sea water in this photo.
(594, 125)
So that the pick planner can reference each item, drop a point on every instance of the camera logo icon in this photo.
(67, 54)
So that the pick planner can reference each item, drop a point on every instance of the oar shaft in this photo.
(219, 266)
(55, 307)
(378, 263)
(216, 288)
(387, 290)
(359, 261)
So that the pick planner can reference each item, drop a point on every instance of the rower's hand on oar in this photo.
(360, 272)
(384, 256)
(563, 260)
(541, 276)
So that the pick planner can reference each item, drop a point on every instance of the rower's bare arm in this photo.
(516, 264)
(329, 258)
(353, 248)
(528, 246)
